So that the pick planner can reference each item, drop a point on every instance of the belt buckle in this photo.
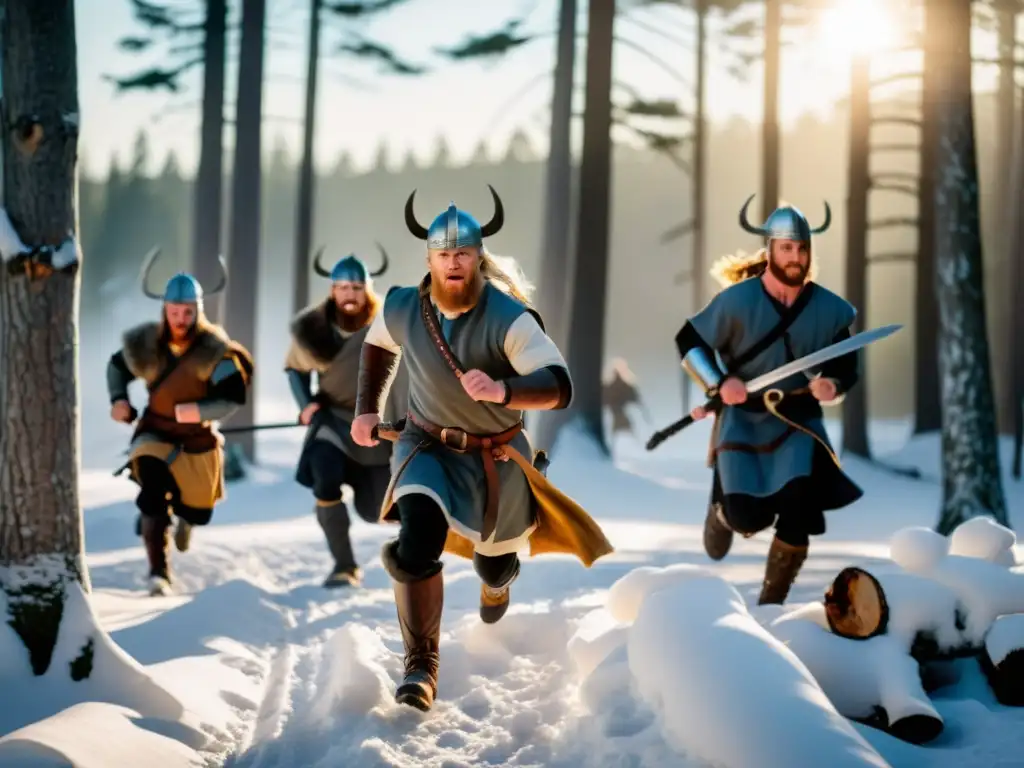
(445, 431)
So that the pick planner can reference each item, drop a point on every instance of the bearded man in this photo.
(465, 477)
(772, 459)
(196, 375)
(326, 340)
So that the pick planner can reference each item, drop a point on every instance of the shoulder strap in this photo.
(430, 321)
(785, 321)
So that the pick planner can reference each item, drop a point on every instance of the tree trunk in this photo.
(972, 484)
(1015, 286)
(210, 174)
(855, 404)
(586, 327)
(927, 405)
(1006, 212)
(307, 179)
(40, 517)
(697, 261)
(770, 124)
(555, 290)
(245, 198)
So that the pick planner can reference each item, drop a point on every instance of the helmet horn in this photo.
(745, 222)
(223, 283)
(317, 266)
(147, 265)
(497, 221)
(828, 221)
(417, 229)
(384, 262)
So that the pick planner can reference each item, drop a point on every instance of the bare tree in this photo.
(972, 484)
(41, 555)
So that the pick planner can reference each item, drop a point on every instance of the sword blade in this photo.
(855, 342)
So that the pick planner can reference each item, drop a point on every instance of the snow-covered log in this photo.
(727, 690)
(985, 539)
(984, 589)
(874, 680)
(1002, 659)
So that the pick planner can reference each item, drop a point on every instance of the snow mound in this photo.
(357, 679)
(628, 593)
(1006, 636)
(985, 539)
(117, 684)
(983, 588)
(94, 735)
(709, 669)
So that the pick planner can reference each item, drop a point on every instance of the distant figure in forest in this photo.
(619, 391)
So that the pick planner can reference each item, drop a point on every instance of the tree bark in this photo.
(972, 484)
(210, 174)
(855, 404)
(40, 517)
(246, 200)
(1006, 212)
(586, 333)
(555, 290)
(770, 125)
(307, 179)
(927, 405)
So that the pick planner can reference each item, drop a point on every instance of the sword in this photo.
(844, 347)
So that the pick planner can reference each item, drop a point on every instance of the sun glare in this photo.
(857, 27)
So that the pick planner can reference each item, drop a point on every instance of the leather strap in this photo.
(460, 441)
(430, 321)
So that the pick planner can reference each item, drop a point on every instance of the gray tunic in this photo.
(337, 381)
(734, 321)
(456, 481)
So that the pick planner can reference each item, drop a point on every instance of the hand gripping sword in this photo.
(855, 342)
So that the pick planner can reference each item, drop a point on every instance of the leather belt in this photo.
(459, 440)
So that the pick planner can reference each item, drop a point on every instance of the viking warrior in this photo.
(618, 392)
(465, 477)
(195, 375)
(326, 340)
(772, 459)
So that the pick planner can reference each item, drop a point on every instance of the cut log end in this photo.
(855, 605)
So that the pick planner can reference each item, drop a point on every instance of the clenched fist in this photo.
(362, 430)
(121, 411)
(307, 413)
(824, 390)
(733, 391)
(482, 387)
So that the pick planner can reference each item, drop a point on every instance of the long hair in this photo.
(506, 275)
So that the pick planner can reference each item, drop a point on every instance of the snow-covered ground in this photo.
(252, 664)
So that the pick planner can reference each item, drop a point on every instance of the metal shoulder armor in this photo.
(703, 369)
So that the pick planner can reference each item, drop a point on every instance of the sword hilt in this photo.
(712, 406)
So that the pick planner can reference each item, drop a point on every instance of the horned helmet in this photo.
(455, 228)
(351, 268)
(182, 288)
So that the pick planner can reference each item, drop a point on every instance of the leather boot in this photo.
(717, 535)
(333, 519)
(784, 563)
(182, 535)
(494, 601)
(419, 602)
(157, 540)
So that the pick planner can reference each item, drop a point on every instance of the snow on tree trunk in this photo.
(590, 272)
(972, 484)
(40, 517)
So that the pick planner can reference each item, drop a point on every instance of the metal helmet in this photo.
(183, 288)
(785, 223)
(455, 228)
(351, 268)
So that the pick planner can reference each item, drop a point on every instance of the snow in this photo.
(1006, 636)
(251, 664)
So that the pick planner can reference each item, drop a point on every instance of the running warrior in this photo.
(195, 375)
(477, 357)
(326, 339)
(772, 459)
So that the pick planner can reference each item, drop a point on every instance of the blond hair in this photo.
(506, 275)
